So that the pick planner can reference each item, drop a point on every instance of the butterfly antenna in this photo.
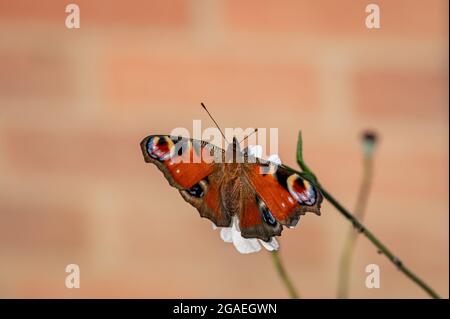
(217, 125)
(256, 130)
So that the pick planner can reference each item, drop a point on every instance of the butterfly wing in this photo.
(255, 219)
(272, 196)
(189, 165)
(279, 198)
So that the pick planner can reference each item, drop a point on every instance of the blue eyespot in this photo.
(159, 148)
(196, 191)
(265, 212)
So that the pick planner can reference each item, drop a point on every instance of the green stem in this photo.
(350, 241)
(345, 265)
(283, 275)
(382, 249)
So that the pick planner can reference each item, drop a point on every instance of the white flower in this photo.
(245, 245)
(233, 234)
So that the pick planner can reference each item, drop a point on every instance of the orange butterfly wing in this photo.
(281, 197)
(189, 165)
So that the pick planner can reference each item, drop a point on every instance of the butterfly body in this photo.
(224, 184)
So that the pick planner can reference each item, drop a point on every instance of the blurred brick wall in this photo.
(74, 105)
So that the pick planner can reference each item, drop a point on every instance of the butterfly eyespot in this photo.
(301, 190)
(196, 191)
(267, 216)
(160, 148)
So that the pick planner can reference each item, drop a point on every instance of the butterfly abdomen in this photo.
(231, 189)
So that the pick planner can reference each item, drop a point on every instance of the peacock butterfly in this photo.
(264, 196)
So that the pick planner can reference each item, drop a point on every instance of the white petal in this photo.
(235, 224)
(255, 150)
(274, 158)
(271, 245)
(245, 245)
(225, 234)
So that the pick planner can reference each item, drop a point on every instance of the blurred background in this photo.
(75, 103)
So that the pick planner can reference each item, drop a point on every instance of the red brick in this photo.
(72, 153)
(401, 93)
(328, 17)
(40, 223)
(167, 80)
(35, 73)
(101, 12)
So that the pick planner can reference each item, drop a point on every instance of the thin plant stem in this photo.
(352, 235)
(283, 275)
(382, 249)
(345, 264)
